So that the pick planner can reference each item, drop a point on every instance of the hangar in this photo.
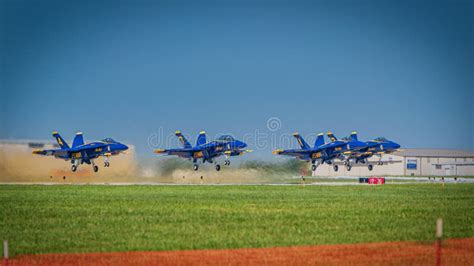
(411, 162)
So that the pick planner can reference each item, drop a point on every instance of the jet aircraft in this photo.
(80, 152)
(321, 152)
(205, 151)
(376, 147)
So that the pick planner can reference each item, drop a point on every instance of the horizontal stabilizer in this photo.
(56, 152)
(277, 151)
(40, 152)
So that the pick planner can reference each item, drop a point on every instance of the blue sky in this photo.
(133, 69)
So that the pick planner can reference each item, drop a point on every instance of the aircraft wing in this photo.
(56, 153)
(236, 152)
(295, 153)
(93, 150)
(185, 153)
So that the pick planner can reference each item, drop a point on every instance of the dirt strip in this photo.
(454, 252)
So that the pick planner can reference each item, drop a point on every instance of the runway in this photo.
(309, 181)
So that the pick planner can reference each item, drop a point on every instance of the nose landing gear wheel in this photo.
(106, 164)
(370, 167)
(218, 167)
(335, 167)
(348, 167)
(195, 167)
(73, 168)
(96, 168)
(313, 167)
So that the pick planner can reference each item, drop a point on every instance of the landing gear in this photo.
(348, 167)
(226, 162)
(73, 168)
(335, 167)
(218, 167)
(370, 167)
(195, 167)
(379, 163)
(106, 162)
(315, 164)
(94, 167)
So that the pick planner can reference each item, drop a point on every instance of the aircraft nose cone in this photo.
(397, 146)
(242, 145)
(123, 147)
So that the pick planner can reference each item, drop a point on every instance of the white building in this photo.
(411, 162)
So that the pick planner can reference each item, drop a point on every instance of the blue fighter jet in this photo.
(375, 147)
(321, 152)
(81, 152)
(207, 151)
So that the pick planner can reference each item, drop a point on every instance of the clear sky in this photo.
(134, 69)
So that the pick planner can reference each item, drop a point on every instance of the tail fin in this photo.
(301, 141)
(78, 140)
(354, 136)
(62, 143)
(201, 139)
(319, 140)
(331, 136)
(183, 140)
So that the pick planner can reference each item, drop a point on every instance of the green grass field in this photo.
(47, 219)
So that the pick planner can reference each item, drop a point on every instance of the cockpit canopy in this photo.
(226, 138)
(346, 139)
(381, 139)
(109, 140)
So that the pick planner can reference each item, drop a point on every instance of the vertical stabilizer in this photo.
(319, 140)
(354, 136)
(183, 140)
(78, 140)
(301, 141)
(331, 136)
(62, 143)
(201, 139)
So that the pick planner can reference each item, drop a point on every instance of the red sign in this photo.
(377, 180)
